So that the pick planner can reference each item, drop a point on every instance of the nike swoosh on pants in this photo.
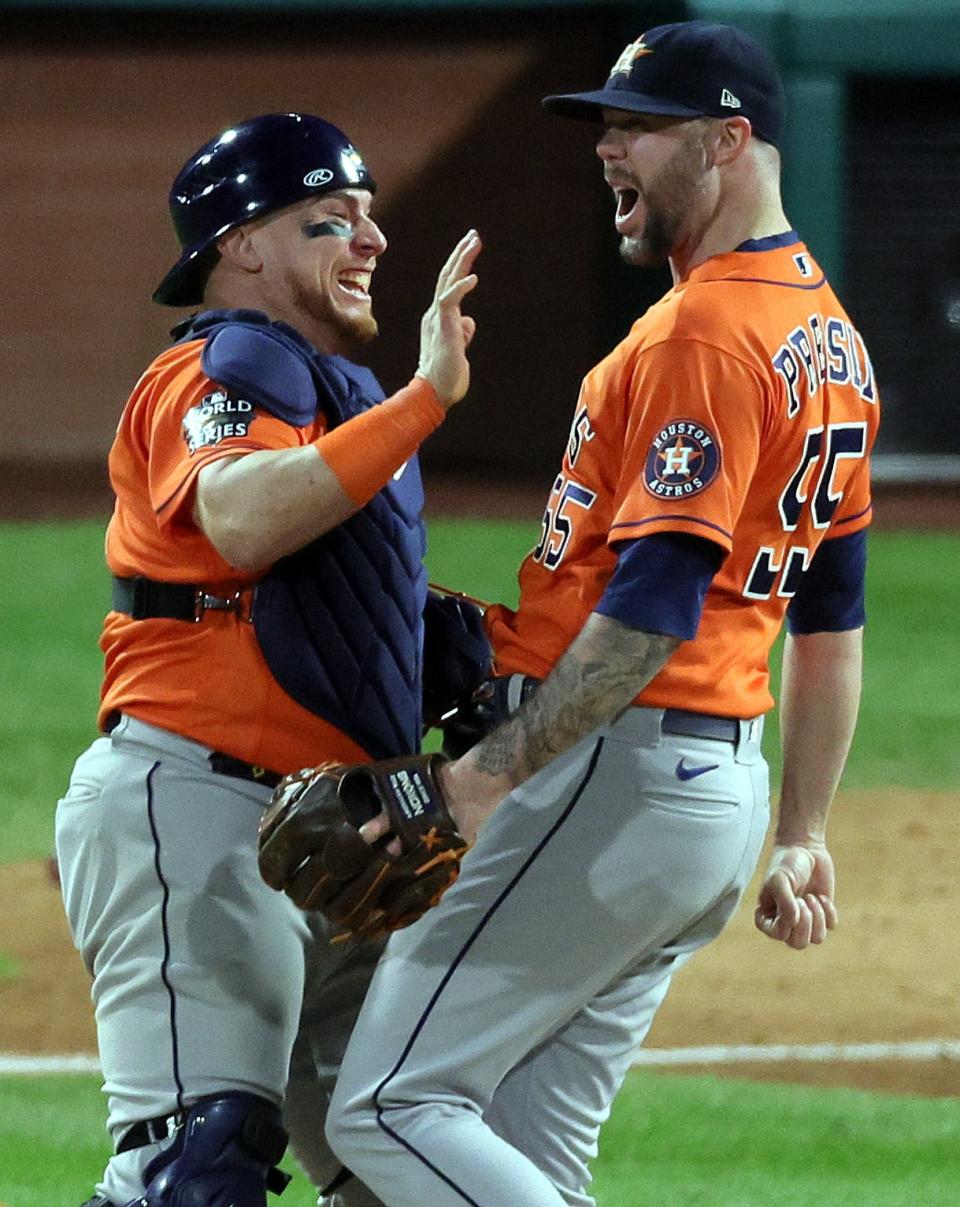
(691, 773)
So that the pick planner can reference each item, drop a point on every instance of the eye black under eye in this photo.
(340, 227)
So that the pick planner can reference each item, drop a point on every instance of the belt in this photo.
(700, 725)
(226, 764)
(145, 599)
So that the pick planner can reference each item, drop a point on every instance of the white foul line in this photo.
(10, 1063)
(917, 1050)
(920, 1050)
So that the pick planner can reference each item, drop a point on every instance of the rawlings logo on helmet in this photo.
(318, 177)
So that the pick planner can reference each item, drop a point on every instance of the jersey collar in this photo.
(769, 242)
(740, 261)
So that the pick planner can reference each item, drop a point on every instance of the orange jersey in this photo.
(742, 408)
(206, 681)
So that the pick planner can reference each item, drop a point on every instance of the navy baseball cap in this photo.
(689, 69)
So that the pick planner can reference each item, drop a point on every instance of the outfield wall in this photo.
(104, 99)
(100, 112)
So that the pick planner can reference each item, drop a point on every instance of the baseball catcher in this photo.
(311, 847)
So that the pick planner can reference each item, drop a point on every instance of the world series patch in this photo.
(683, 460)
(216, 417)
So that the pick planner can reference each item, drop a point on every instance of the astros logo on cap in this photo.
(633, 51)
(683, 460)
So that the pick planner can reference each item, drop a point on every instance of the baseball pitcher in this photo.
(715, 483)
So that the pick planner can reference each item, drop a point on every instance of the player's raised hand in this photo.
(796, 901)
(445, 332)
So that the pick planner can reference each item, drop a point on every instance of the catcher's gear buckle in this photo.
(240, 602)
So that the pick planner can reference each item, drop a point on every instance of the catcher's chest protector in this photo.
(340, 621)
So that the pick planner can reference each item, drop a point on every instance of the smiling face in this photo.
(314, 261)
(660, 171)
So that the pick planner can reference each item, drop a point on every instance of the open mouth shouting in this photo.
(628, 206)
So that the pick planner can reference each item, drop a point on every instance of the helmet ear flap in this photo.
(185, 284)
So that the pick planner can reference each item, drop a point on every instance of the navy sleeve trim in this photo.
(850, 518)
(660, 583)
(690, 519)
(830, 598)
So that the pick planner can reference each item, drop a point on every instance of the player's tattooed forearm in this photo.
(588, 688)
(597, 678)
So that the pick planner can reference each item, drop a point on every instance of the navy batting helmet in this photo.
(256, 166)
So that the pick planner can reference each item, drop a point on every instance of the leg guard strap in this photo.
(224, 1154)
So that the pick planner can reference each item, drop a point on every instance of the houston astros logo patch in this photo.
(683, 460)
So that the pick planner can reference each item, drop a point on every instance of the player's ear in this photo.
(732, 136)
(240, 248)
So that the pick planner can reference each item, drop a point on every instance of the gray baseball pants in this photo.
(199, 969)
(500, 1026)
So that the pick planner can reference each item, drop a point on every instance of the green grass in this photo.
(49, 671)
(911, 708)
(738, 1144)
(51, 611)
(678, 1140)
(480, 557)
(10, 968)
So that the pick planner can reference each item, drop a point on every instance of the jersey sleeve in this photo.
(660, 583)
(196, 421)
(830, 598)
(692, 442)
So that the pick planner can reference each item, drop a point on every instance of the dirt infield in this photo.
(889, 974)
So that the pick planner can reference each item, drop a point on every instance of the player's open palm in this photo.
(796, 902)
(445, 332)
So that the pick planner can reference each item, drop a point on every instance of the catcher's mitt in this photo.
(310, 847)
